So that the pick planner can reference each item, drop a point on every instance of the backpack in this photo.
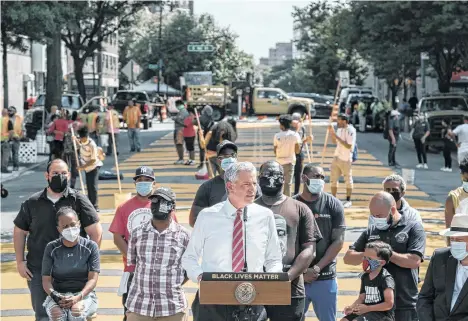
(355, 153)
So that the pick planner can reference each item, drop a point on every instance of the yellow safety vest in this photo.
(115, 119)
(92, 121)
(4, 129)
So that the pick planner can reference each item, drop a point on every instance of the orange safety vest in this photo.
(132, 116)
(18, 126)
(4, 129)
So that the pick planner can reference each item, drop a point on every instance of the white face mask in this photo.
(71, 233)
(465, 186)
(381, 223)
(458, 250)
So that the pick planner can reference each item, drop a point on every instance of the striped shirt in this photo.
(132, 116)
(156, 289)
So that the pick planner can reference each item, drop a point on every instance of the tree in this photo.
(291, 76)
(88, 24)
(226, 62)
(324, 55)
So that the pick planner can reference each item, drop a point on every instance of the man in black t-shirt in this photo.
(320, 280)
(377, 295)
(408, 241)
(298, 234)
(36, 220)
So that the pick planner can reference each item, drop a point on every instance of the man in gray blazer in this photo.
(444, 294)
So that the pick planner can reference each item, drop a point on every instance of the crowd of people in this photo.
(243, 220)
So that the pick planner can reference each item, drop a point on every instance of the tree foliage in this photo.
(227, 62)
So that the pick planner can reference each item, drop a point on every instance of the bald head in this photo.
(382, 204)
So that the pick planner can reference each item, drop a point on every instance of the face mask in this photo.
(11, 114)
(161, 209)
(58, 183)
(226, 162)
(369, 265)
(396, 196)
(465, 186)
(144, 188)
(458, 250)
(180, 107)
(271, 185)
(315, 186)
(379, 223)
(71, 234)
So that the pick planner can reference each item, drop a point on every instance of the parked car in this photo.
(323, 104)
(122, 97)
(436, 107)
(37, 115)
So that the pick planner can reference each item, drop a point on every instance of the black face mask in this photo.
(161, 209)
(58, 183)
(11, 114)
(271, 185)
(396, 196)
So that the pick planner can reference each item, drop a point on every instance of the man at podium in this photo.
(233, 236)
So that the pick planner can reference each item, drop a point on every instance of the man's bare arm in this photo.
(334, 249)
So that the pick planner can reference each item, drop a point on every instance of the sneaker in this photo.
(132, 150)
(444, 169)
(419, 166)
(448, 170)
(425, 166)
(15, 169)
(138, 150)
(190, 162)
(179, 162)
(347, 204)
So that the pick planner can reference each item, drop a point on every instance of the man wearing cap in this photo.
(444, 294)
(345, 140)
(408, 241)
(128, 216)
(156, 247)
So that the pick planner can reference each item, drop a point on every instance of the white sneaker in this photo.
(347, 204)
(448, 170)
(444, 169)
(179, 162)
(425, 166)
(419, 166)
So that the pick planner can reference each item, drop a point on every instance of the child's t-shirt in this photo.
(285, 143)
(189, 129)
(374, 289)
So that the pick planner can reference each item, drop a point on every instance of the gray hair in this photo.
(396, 178)
(232, 173)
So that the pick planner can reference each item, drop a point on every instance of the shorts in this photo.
(90, 305)
(341, 168)
(179, 136)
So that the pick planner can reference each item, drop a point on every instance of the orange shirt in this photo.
(132, 116)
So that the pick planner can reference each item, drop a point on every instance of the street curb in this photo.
(21, 172)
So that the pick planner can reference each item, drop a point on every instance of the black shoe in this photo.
(132, 150)
(138, 150)
(108, 154)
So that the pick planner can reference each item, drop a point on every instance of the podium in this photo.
(245, 288)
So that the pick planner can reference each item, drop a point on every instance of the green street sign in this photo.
(200, 48)
(153, 66)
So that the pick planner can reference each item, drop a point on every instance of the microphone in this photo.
(245, 239)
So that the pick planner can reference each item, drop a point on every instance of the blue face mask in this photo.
(458, 250)
(315, 186)
(226, 162)
(370, 265)
(144, 188)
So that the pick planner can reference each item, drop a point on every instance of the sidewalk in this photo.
(41, 159)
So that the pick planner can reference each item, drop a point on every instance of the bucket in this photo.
(408, 175)
(120, 198)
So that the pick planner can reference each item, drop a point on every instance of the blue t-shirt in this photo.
(69, 266)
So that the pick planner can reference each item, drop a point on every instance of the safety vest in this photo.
(4, 128)
(115, 119)
(17, 126)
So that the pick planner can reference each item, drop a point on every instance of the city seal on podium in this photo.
(245, 293)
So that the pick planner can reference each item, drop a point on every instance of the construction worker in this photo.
(112, 113)
(17, 122)
(6, 130)
(93, 123)
(132, 117)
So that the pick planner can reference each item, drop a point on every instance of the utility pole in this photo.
(424, 57)
(160, 46)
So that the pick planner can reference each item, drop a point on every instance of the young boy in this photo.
(377, 295)
(286, 144)
(189, 135)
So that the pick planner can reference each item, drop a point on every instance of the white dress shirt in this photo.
(347, 134)
(211, 240)
(462, 276)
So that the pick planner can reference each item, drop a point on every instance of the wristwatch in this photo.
(316, 268)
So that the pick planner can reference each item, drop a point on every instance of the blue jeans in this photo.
(323, 295)
(134, 138)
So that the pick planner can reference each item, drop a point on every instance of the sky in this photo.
(258, 23)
